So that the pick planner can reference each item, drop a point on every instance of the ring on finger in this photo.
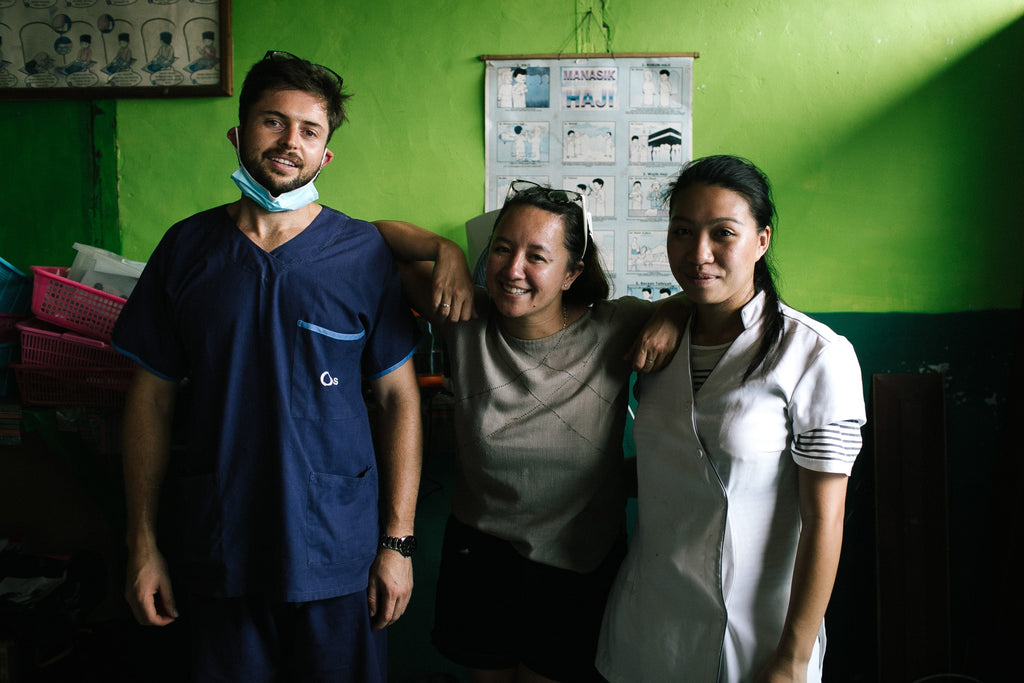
(446, 305)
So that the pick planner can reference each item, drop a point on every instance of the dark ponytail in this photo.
(764, 281)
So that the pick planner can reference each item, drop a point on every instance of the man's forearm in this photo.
(147, 420)
(399, 456)
(400, 450)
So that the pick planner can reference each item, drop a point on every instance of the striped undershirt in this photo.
(703, 360)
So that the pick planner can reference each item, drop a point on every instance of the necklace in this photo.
(565, 317)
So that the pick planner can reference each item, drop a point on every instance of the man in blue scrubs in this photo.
(269, 314)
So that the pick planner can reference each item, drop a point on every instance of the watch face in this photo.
(405, 545)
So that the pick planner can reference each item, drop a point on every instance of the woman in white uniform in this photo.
(744, 444)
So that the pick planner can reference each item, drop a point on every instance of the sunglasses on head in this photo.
(280, 54)
(558, 197)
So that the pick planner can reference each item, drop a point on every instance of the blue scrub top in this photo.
(280, 486)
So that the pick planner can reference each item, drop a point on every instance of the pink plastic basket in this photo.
(70, 304)
(43, 344)
(50, 385)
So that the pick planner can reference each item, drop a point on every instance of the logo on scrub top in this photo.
(327, 380)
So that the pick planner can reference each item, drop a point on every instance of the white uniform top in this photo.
(703, 592)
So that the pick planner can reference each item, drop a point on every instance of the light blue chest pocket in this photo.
(326, 373)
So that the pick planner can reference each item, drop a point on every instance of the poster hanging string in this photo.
(591, 22)
(588, 24)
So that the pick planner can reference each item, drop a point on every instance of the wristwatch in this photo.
(405, 545)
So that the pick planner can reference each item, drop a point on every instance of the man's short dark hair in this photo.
(283, 71)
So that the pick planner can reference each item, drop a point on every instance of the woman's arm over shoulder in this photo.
(442, 292)
(410, 242)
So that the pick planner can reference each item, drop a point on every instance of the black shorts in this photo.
(496, 609)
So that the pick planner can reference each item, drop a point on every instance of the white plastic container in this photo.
(105, 270)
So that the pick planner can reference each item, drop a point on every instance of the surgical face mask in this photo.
(286, 201)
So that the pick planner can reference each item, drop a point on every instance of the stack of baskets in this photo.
(66, 358)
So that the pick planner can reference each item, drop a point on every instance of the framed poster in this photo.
(615, 128)
(100, 49)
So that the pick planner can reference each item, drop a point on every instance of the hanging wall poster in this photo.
(94, 49)
(614, 128)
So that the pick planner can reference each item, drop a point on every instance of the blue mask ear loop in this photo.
(241, 165)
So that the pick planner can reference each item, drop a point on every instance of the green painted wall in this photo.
(888, 126)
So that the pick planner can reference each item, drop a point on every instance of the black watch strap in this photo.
(405, 545)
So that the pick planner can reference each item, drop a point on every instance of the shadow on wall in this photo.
(915, 210)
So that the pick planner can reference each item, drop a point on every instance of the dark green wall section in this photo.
(104, 230)
(974, 351)
(62, 187)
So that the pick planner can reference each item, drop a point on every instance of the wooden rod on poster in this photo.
(592, 55)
